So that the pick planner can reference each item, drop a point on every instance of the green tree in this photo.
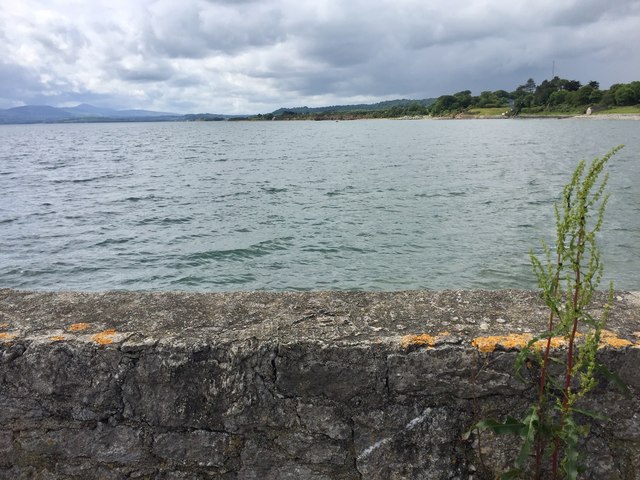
(558, 97)
(464, 99)
(596, 96)
(530, 86)
(636, 88)
(444, 104)
(415, 108)
(609, 96)
(503, 95)
(489, 99)
(583, 95)
(570, 85)
(545, 90)
(625, 95)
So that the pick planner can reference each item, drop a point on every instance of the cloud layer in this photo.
(250, 56)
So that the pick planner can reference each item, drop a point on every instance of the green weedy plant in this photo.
(550, 431)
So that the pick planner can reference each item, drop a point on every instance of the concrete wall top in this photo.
(337, 318)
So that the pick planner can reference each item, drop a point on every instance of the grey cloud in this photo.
(232, 2)
(17, 83)
(235, 30)
(196, 30)
(15, 77)
(62, 42)
(584, 12)
(183, 80)
(174, 32)
(146, 73)
(340, 45)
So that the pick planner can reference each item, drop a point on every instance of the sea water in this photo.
(370, 205)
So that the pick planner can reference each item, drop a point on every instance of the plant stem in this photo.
(543, 374)
(576, 314)
(572, 337)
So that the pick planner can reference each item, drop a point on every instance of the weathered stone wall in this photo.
(282, 385)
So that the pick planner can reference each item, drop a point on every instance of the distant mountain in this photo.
(34, 114)
(143, 114)
(357, 107)
(209, 117)
(80, 113)
(86, 110)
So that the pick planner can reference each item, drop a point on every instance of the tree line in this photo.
(558, 95)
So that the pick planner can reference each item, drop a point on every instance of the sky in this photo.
(254, 56)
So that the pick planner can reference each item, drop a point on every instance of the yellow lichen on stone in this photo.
(556, 342)
(610, 339)
(57, 338)
(422, 339)
(7, 336)
(4, 325)
(489, 344)
(105, 337)
(78, 327)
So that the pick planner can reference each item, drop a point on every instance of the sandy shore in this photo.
(464, 116)
(611, 116)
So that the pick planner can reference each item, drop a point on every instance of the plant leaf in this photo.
(511, 474)
(529, 432)
(510, 425)
(588, 413)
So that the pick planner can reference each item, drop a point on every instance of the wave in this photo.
(113, 241)
(164, 220)
(85, 180)
(199, 281)
(256, 250)
(134, 198)
(336, 249)
(340, 191)
(272, 190)
(441, 194)
(321, 249)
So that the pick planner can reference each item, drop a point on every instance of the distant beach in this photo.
(466, 116)
(612, 116)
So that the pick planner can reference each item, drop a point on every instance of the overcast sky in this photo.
(253, 56)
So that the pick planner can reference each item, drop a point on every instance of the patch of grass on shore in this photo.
(552, 113)
(628, 109)
(488, 111)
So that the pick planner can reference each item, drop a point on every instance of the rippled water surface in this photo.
(384, 205)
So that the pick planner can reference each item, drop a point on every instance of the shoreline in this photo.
(611, 116)
(464, 116)
(603, 116)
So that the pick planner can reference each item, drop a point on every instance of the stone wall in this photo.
(340, 385)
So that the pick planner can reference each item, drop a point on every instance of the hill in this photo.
(361, 107)
(80, 113)
(34, 114)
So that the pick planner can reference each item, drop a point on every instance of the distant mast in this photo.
(553, 70)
